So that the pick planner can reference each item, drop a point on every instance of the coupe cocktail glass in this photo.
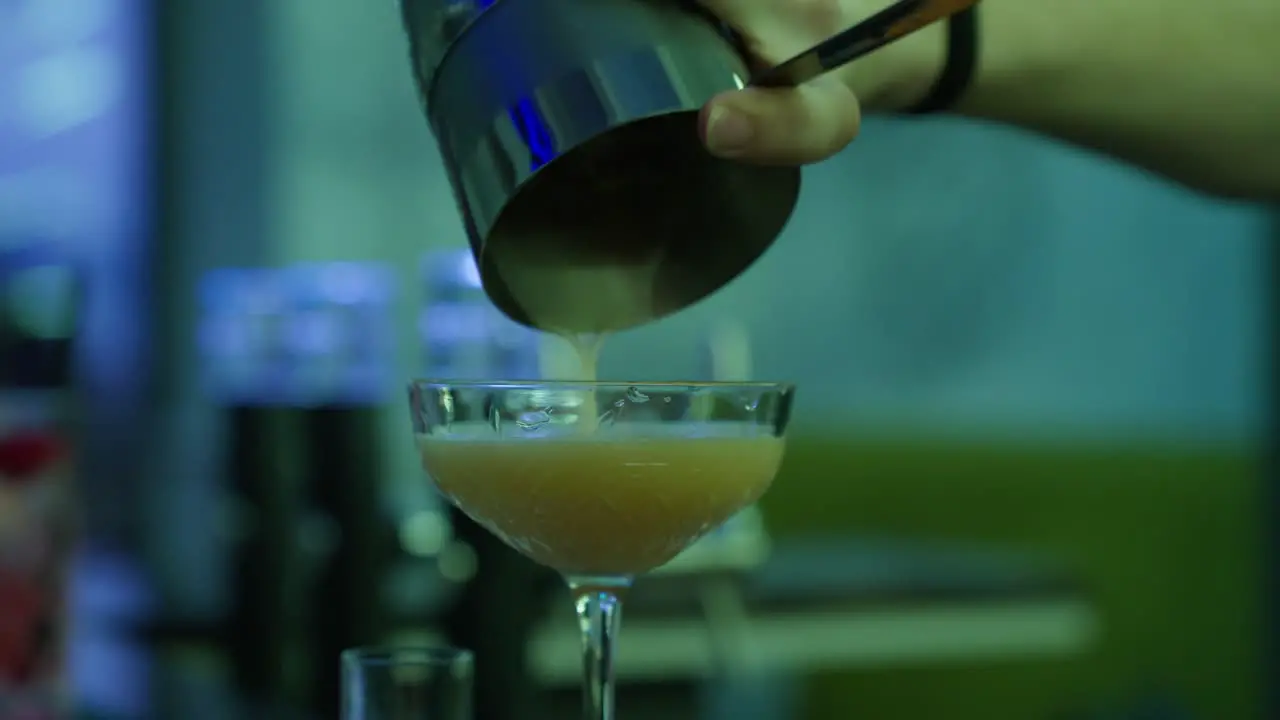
(601, 481)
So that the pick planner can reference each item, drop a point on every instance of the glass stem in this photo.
(598, 602)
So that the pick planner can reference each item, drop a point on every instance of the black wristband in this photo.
(961, 64)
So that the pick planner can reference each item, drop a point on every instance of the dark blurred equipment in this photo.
(270, 633)
(488, 621)
(350, 535)
(312, 550)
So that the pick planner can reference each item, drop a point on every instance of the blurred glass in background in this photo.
(406, 684)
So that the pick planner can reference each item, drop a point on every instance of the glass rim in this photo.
(441, 384)
(413, 655)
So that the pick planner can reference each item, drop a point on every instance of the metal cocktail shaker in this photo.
(569, 131)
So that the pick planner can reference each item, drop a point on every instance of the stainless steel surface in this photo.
(569, 130)
(894, 22)
(432, 27)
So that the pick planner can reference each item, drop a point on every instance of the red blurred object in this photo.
(25, 604)
(24, 456)
(32, 564)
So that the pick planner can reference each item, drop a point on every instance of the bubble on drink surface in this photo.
(533, 419)
(635, 395)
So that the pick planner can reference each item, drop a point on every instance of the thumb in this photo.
(782, 126)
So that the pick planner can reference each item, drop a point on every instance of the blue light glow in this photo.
(535, 133)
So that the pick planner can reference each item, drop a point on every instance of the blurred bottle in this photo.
(302, 335)
(340, 340)
(463, 335)
(35, 546)
(244, 348)
(40, 295)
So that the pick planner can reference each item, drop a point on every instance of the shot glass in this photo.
(409, 683)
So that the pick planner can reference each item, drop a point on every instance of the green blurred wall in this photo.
(1167, 538)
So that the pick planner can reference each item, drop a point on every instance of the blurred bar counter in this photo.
(833, 605)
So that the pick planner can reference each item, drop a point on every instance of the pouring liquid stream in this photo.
(582, 302)
(587, 346)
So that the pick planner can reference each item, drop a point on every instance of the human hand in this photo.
(806, 124)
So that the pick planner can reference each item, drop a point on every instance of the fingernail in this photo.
(728, 131)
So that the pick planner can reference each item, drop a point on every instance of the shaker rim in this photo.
(433, 81)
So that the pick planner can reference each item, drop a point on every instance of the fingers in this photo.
(782, 126)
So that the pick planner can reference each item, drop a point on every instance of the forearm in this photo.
(1187, 88)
